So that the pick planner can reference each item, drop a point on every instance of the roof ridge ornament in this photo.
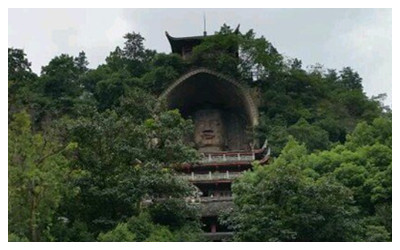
(205, 24)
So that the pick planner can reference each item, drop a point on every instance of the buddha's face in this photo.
(209, 130)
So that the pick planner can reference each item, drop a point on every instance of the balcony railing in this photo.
(209, 199)
(212, 176)
(227, 157)
(218, 235)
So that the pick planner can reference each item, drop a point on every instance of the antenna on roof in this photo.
(204, 18)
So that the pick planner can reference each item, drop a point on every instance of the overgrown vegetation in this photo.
(342, 194)
(87, 147)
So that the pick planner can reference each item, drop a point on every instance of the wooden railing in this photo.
(209, 234)
(207, 199)
(218, 236)
(227, 157)
(211, 176)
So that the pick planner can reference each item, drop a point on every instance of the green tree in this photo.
(59, 89)
(164, 69)
(239, 55)
(283, 202)
(143, 228)
(60, 77)
(364, 165)
(312, 136)
(350, 79)
(116, 61)
(120, 234)
(21, 79)
(119, 183)
(127, 158)
(38, 171)
(136, 55)
(81, 62)
(19, 68)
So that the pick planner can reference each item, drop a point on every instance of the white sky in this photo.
(335, 38)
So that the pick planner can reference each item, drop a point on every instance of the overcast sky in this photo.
(335, 38)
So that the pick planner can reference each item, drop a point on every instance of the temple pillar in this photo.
(213, 228)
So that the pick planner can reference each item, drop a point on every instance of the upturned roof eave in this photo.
(178, 42)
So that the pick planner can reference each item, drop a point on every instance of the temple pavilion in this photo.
(225, 114)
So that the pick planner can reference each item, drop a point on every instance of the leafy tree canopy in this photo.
(92, 153)
(342, 194)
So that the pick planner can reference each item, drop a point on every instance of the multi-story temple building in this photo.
(224, 114)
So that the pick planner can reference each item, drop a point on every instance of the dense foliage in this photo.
(92, 152)
(344, 194)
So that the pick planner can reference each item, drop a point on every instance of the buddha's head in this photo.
(209, 134)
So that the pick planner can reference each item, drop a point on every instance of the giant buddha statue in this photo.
(209, 131)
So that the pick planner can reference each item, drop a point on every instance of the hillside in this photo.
(88, 146)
